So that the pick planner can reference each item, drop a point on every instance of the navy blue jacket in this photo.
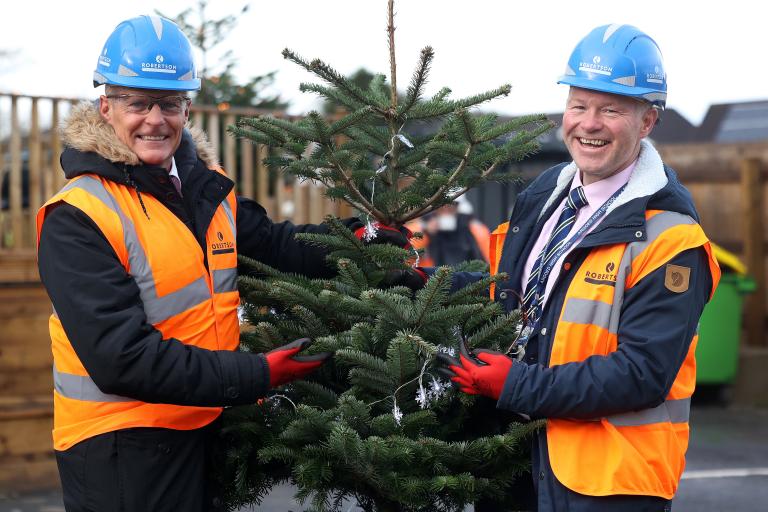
(654, 334)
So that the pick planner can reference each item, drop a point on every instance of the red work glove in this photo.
(400, 237)
(285, 365)
(481, 373)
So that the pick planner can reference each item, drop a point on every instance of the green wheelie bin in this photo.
(717, 352)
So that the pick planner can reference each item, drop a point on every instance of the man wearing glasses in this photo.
(138, 253)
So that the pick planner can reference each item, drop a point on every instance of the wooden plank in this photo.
(213, 133)
(316, 205)
(32, 406)
(27, 357)
(281, 196)
(230, 153)
(720, 209)
(754, 251)
(18, 266)
(246, 168)
(198, 119)
(25, 435)
(300, 206)
(345, 210)
(29, 331)
(21, 383)
(15, 238)
(56, 170)
(29, 473)
(262, 175)
(35, 168)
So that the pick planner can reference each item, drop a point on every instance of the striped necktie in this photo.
(534, 290)
(176, 184)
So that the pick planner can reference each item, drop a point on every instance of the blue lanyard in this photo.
(545, 270)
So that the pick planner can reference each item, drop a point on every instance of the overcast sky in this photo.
(714, 52)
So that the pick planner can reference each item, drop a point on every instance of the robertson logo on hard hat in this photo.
(158, 66)
(657, 77)
(595, 67)
(103, 59)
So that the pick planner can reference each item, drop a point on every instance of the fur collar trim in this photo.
(647, 178)
(85, 131)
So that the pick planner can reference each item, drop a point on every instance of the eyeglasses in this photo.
(142, 104)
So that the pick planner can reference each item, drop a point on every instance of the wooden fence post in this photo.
(230, 150)
(35, 169)
(262, 179)
(246, 168)
(754, 248)
(15, 196)
(213, 133)
(58, 172)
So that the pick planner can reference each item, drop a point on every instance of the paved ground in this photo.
(727, 468)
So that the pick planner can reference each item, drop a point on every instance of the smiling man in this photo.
(138, 253)
(611, 269)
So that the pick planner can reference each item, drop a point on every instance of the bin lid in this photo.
(728, 259)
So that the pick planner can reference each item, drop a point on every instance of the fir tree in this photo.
(376, 424)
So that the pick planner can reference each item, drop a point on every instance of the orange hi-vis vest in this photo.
(637, 452)
(182, 299)
(478, 230)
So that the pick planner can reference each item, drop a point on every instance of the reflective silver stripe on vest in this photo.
(672, 411)
(230, 217)
(225, 280)
(78, 387)
(655, 226)
(156, 308)
(590, 312)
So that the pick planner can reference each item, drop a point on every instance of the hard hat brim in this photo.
(136, 82)
(640, 93)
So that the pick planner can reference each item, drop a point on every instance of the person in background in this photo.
(451, 235)
(611, 269)
(138, 253)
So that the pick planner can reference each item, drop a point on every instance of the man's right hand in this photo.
(483, 372)
(285, 365)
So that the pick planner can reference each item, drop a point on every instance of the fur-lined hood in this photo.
(86, 131)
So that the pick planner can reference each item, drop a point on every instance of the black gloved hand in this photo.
(400, 237)
(414, 278)
(285, 365)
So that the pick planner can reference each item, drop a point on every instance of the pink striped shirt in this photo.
(597, 193)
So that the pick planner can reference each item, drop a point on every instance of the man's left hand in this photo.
(400, 237)
(481, 373)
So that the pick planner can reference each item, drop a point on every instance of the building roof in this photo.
(735, 122)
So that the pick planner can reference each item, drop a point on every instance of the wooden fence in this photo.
(729, 184)
(31, 173)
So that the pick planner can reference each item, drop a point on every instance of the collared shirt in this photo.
(174, 171)
(597, 193)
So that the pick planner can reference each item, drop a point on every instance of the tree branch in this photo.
(392, 63)
(441, 191)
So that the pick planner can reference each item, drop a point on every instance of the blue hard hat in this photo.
(147, 52)
(619, 59)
